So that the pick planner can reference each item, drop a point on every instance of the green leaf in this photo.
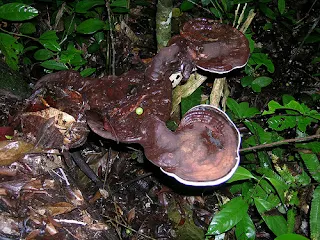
(277, 182)
(256, 88)
(186, 6)
(205, 2)
(90, 26)
(43, 54)
(247, 81)
(241, 174)
(315, 215)
(241, 110)
(11, 49)
(279, 123)
(262, 59)
(27, 28)
(193, 100)
(216, 12)
(273, 106)
(301, 108)
(70, 23)
(280, 187)
(17, 12)
(303, 122)
(260, 82)
(281, 6)
(291, 236)
(87, 72)
(119, 3)
(275, 222)
(312, 163)
(291, 219)
(245, 229)
(267, 11)
(72, 56)
(84, 6)
(30, 48)
(232, 213)
(49, 40)
(314, 146)
(286, 98)
(54, 65)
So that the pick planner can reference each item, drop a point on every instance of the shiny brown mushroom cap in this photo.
(214, 46)
(209, 148)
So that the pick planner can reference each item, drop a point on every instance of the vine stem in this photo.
(113, 51)
(274, 144)
(19, 35)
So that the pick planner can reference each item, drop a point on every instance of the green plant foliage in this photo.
(43, 54)
(216, 12)
(300, 116)
(17, 12)
(267, 11)
(313, 146)
(241, 174)
(54, 65)
(315, 215)
(259, 83)
(72, 56)
(231, 214)
(281, 6)
(274, 220)
(312, 163)
(186, 6)
(193, 100)
(245, 229)
(291, 215)
(276, 181)
(84, 6)
(27, 28)
(241, 110)
(119, 3)
(260, 59)
(291, 236)
(49, 40)
(255, 83)
(87, 72)
(90, 26)
(120, 6)
(11, 49)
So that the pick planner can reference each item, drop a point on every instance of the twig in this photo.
(113, 60)
(274, 144)
(70, 221)
(19, 35)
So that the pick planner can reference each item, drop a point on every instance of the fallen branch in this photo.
(274, 144)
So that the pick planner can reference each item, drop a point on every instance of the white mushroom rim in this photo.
(224, 178)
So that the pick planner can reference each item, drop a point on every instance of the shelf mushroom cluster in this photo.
(203, 150)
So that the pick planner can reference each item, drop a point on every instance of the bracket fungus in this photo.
(133, 107)
(203, 151)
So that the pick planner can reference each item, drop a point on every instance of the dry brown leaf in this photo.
(60, 208)
(12, 151)
(131, 215)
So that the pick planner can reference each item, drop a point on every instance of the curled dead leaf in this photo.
(12, 151)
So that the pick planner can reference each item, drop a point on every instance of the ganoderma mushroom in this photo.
(203, 151)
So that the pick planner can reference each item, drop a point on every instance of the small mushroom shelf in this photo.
(203, 151)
